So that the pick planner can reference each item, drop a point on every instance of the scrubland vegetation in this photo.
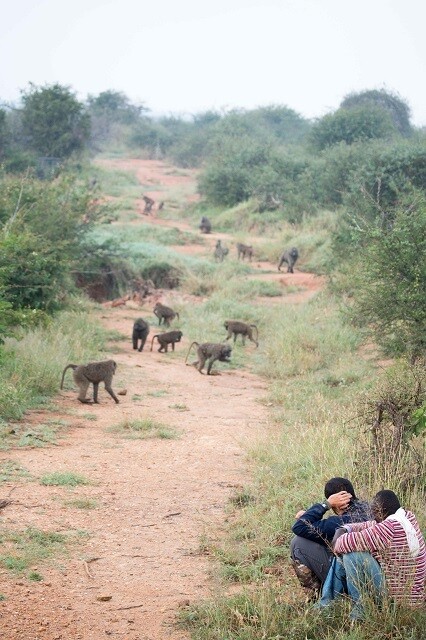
(349, 191)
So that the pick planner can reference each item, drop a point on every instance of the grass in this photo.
(178, 407)
(63, 479)
(11, 470)
(82, 503)
(21, 550)
(144, 428)
(251, 615)
(32, 366)
(33, 435)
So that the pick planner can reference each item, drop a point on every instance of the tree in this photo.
(360, 123)
(390, 284)
(398, 109)
(4, 134)
(54, 121)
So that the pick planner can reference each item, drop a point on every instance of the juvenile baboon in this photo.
(220, 251)
(164, 339)
(140, 332)
(164, 313)
(149, 203)
(94, 372)
(289, 256)
(210, 351)
(245, 330)
(244, 251)
(205, 225)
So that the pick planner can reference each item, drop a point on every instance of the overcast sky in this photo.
(186, 56)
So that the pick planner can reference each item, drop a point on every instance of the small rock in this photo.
(123, 392)
(103, 598)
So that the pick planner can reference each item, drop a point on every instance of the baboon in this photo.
(140, 332)
(94, 372)
(245, 330)
(244, 251)
(210, 351)
(164, 313)
(220, 251)
(149, 203)
(290, 256)
(164, 339)
(205, 225)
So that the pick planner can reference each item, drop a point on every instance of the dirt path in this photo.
(139, 549)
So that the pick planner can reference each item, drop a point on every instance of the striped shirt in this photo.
(386, 541)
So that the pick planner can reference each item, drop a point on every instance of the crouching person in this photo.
(385, 556)
(310, 549)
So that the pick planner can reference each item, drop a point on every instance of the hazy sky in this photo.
(186, 56)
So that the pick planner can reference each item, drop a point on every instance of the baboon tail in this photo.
(187, 355)
(69, 366)
(257, 332)
(152, 341)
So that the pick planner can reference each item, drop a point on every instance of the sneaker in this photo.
(306, 576)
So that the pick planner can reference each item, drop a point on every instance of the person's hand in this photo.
(339, 502)
(299, 514)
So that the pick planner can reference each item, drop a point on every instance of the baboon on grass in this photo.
(245, 330)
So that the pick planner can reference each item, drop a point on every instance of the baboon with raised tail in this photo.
(236, 327)
(164, 339)
(210, 351)
(92, 373)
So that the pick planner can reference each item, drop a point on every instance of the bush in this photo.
(390, 283)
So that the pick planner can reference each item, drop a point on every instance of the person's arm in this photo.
(311, 525)
(372, 538)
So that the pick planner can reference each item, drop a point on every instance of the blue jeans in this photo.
(357, 574)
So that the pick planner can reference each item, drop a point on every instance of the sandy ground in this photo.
(138, 557)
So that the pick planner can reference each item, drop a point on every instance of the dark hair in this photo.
(384, 504)
(339, 484)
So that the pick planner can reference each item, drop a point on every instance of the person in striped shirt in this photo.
(386, 556)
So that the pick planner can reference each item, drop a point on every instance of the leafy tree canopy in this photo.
(54, 121)
(360, 123)
(115, 106)
(390, 287)
(397, 108)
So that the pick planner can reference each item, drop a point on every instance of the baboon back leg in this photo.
(95, 392)
(83, 386)
(135, 343)
(173, 346)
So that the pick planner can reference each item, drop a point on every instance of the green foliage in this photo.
(32, 366)
(63, 479)
(143, 428)
(385, 176)
(54, 120)
(23, 549)
(393, 424)
(390, 284)
(33, 274)
(397, 108)
(361, 123)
